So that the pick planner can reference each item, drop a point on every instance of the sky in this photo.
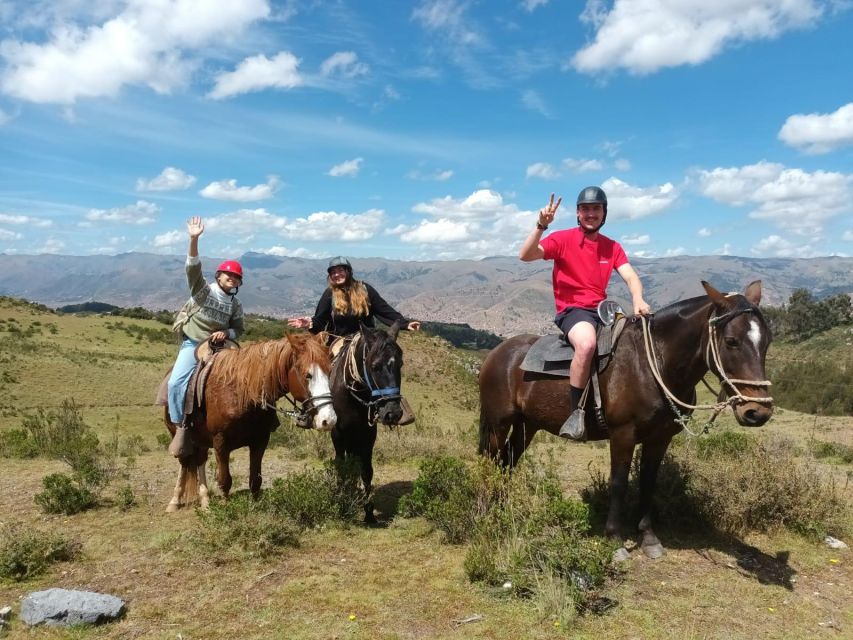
(430, 129)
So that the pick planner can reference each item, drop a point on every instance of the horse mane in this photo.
(683, 309)
(255, 373)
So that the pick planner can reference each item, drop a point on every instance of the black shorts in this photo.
(570, 316)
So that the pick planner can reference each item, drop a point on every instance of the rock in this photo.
(66, 607)
(5, 612)
(834, 543)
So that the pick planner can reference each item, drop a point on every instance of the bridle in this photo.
(303, 412)
(357, 382)
(712, 354)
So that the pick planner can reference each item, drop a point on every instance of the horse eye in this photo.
(732, 342)
(308, 376)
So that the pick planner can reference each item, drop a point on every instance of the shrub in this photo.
(314, 497)
(125, 498)
(163, 440)
(62, 495)
(26, 552)
(243, 527)
(17, 443)
(833, 450)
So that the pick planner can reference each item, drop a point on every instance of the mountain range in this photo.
(500, 294)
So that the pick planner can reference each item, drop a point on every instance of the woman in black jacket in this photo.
(346, 304)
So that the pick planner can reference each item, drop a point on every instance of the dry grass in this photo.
(397, 579)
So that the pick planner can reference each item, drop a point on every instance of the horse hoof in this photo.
(654, 551)
(621, 555)
(172, 508)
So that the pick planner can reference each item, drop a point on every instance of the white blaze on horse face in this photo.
(755, 333)
(325, 418)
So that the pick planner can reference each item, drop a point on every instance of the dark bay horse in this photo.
(725, 334)
(239, 408)
(365, 390)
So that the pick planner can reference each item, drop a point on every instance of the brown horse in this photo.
(725, 334)
(239, 408)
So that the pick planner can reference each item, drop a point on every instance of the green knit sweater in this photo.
(212, 308)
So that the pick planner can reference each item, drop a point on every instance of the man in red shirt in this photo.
(583, 259)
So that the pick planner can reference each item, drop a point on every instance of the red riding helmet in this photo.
(231, 266)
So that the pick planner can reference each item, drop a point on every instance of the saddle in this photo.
(552, 354)
(205, 353)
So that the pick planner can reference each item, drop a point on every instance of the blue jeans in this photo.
(180, 379)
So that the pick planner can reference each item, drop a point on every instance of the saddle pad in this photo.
(549, 354)
(552, 355)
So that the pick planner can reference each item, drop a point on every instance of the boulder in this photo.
(66, 607)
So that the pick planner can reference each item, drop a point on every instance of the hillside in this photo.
(398, 580)
(501, 295)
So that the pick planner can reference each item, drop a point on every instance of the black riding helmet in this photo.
(339, 261)
(593, 195)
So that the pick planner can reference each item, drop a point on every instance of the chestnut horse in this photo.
(239, 408)
(366, 390)
(641, 387)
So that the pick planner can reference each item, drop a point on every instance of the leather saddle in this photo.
(552, 354)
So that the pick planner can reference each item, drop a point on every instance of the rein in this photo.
(710, 350)
(302, 413)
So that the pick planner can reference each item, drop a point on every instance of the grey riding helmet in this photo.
(593, 195)
(339, 261)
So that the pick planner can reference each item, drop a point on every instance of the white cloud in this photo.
(790, 198)
(51, 245)
(533, 101)
(542, 170)
(348, 168)
(580, 165)
(140, 213)
(5, 118)
(9, 235)
(531, 5)
(677, 251)
(635, 240)
(169, 239)
(847, 236)
(704, 232)
(480, 205)
(228, 190)
(644, 36)
(622, 164)
(29, 221)
(779, 247)
(170, 179)
(438, 232)
(626, 202)
(331, 225)
(438, 175)
(284, 252)
(145, 45)
(343, 63)
(448, 17)
(258, 73)
(819, 132)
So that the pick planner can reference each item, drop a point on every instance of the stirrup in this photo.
(574, 428)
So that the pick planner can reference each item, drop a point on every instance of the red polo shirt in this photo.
(582, 267)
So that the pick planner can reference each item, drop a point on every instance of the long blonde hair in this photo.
(350, 298)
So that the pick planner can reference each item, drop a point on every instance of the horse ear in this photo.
(753, 292)
(716, 297)
(394, 330)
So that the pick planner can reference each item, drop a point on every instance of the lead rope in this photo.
(717, 408)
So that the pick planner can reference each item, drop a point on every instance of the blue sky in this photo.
(425, 129)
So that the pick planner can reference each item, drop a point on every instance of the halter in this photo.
(302, 413)
(378, 395)
(711, 349)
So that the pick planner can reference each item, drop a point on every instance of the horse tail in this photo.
(189, 489)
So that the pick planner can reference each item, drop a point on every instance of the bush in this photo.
(17, 443)
(243, 527)
(62, 495)
(521, 528)
(61, 434)
(125, 498)
(833, 450)
(313, 498)
(27, 552)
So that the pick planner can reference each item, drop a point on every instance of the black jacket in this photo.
(325, 319)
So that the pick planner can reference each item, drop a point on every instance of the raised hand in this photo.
(195, 227)
(299, 323)
(547, 213)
